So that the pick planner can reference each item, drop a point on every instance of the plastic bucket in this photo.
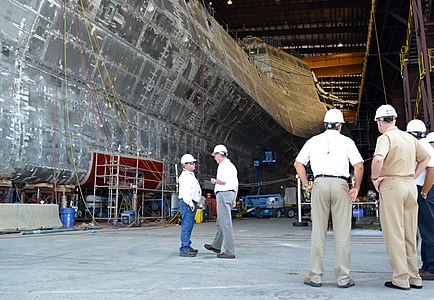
(67, 216)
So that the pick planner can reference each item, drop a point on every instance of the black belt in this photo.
(224, 191)
(185, 202)
(332, 176)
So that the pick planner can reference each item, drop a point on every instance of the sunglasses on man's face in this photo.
(193, 163)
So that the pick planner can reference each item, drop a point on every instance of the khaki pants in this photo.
(331, 195)
(224, 238)
(398, 213)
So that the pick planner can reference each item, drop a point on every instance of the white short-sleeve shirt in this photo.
(330, 153)
(227, 172)
(421, 178)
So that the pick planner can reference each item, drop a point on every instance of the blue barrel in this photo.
(358, 213)
(67, 216)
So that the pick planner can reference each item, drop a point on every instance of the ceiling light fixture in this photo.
(340, 45)
(229, 2)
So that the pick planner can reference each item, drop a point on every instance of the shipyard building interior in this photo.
(100, 99)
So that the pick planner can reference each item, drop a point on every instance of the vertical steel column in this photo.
(298, 197)
(425, 81)
(407, 96)
(117, 182)
(136, 186)
(94, 189)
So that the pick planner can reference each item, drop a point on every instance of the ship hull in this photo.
(158, 78)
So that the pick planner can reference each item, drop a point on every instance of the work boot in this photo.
(188, 254)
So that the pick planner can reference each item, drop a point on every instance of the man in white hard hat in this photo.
(189, 195)
(425, 219)
(226, 189)
(329, 154)
(425, 179)
(392, 173)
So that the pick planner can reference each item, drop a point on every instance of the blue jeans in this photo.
(187, 225)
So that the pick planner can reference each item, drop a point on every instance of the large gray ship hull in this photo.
(159, 78)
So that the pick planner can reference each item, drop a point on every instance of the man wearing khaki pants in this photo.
(392, 174)
(329, 154)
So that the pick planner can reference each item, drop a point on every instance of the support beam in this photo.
(300, 31)
(336, 64)
(422, 49)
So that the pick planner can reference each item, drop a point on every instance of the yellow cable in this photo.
(120, 106)
(379, 59)
(365, 60)
(418, 98)
(133, 134)
(68, 120)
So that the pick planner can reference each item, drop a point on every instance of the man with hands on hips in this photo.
(392, 174)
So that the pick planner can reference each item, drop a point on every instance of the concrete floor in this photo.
(143, 263)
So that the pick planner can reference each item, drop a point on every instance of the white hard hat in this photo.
(187, 158)
(334, 116)
(430, 137)
(416, 125)
(220, 149)
(384, 111)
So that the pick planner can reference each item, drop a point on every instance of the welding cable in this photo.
(365, 60)
(380, 61)
(89, 83)
(68, 120)
(69, 132)
(95, 45)
(55, 110)
(62, 25)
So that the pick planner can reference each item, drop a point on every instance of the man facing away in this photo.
(329, 154)
(425, 200)
(189, 195)
(226, 189)
(392, 173)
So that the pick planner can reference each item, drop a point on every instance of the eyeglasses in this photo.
(193, 163)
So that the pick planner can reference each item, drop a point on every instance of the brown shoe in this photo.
(188, 254)
(426, 275)
(193, 250)
(224, 255)
(211, 248)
